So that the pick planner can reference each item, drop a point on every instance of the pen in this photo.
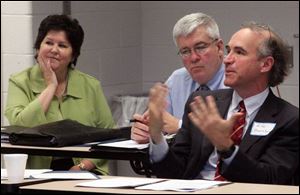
(134, 120)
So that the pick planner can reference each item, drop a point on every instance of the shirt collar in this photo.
(74, 87)
(251, 103)
(75, 84)
(36, 79)
(217, 82)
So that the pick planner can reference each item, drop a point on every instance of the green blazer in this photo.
(84, 102)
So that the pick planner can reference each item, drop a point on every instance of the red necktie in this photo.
(236, 136)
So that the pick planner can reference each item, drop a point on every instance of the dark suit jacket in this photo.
(273, 158)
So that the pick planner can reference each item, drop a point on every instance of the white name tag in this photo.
(262, 129)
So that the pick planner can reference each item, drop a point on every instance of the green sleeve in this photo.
(21, 108)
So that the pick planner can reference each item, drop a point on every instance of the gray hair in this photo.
(189, 23)
(273, 46)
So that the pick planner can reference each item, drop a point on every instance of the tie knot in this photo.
(242, 107)
(203, 88)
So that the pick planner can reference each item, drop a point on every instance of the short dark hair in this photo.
(71, 27)
(272, 46)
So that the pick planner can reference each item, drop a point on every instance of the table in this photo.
(77, 151)
(13, 188)
(138, 158)
(62, 187)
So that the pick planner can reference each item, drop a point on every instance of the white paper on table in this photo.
(119, 182)
(125, 144)
(28, 172)
(182, 185)
(66, 175)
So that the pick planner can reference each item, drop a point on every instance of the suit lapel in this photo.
(223, 101)
(265, 114)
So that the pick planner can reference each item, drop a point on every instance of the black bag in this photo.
(62, 133)
(7, 130)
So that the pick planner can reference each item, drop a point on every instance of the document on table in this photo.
(182, 185)
(119, 182)
(125, 144)
(28, 172)
(66, 175)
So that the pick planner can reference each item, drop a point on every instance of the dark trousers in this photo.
(59, 164)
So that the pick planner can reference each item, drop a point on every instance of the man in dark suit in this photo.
(259, 144)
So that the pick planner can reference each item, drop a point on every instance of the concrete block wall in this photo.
(112, 46)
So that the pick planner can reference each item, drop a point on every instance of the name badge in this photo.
(262, 129)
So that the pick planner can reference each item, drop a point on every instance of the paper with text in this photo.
(66, 175)
(125, 144)
(182, 185)
(119, 182)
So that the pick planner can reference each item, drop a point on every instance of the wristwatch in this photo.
(82, 166)
(226, 153)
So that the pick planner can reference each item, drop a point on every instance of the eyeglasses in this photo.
(198, 49)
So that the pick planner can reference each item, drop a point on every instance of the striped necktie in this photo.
(236, 136)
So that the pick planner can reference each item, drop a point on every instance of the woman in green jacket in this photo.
(53, 90)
